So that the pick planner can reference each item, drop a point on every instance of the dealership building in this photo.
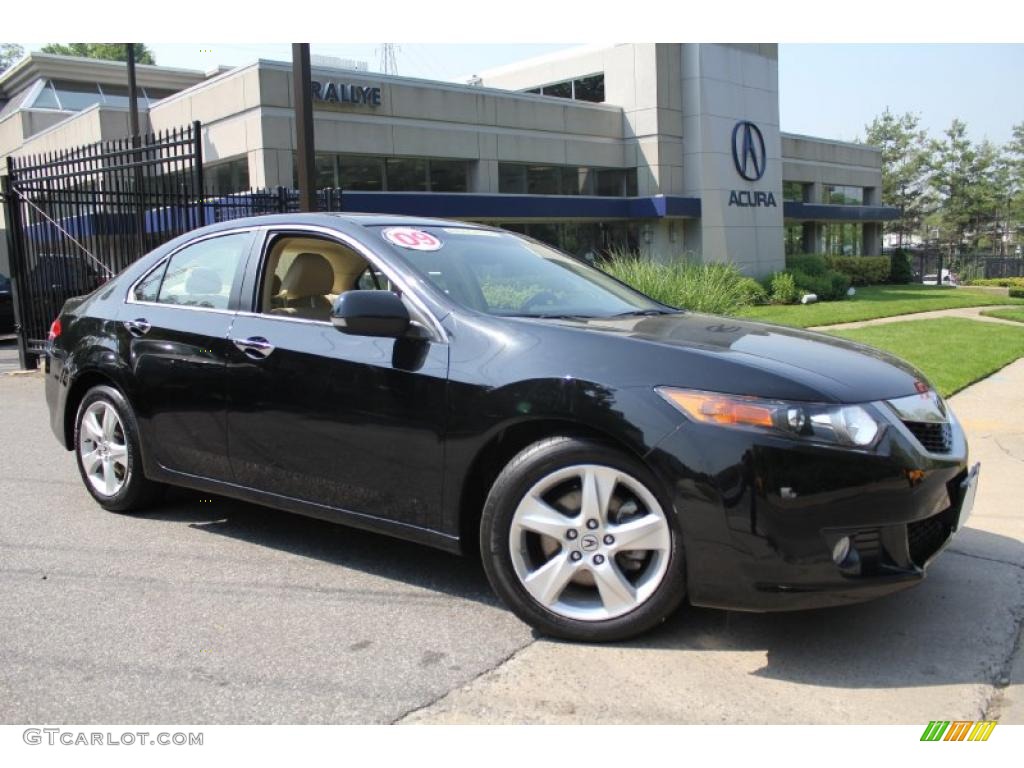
(669, 149)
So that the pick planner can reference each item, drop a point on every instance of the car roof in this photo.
(342, 221)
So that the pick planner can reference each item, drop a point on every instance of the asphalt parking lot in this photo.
(209, 610)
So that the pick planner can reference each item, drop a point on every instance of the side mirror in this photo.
(370, 313)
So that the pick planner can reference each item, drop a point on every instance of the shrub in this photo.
(1017, 293)
(808, 263)
(999, 282)
(783, 288)
(862, 270)
(813, 274)
(841, 284)
(753, 292)
(714, 288)
(900, 270)
(827, 287)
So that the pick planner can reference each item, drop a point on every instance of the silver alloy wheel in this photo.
(103, 448)
(590, 542)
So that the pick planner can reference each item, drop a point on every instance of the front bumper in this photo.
(760, 515)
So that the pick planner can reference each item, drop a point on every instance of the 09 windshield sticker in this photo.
(412, 239)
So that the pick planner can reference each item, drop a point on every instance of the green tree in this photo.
(953, 163)
(904, 168)
(986, 195)
(9, 53)
(1013, 161)
(108, 51)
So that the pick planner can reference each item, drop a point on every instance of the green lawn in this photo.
(1006, 314)
(951, 351)
(876, 301)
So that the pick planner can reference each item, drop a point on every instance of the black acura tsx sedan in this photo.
(473, 389)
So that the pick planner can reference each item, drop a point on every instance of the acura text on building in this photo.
(344, 93)
(744, 198)
(750, 158)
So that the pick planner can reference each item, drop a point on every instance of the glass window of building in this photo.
(843, 239)
(511, 179)
(543, 180)
(795, 191)
(632, 187)
(326, 170)
(589, 88)
(519, 178)
(227, 178)
(575, 181)
(449, 176)
(405, 174)
(839, 195)
(117, 96)
(611, 183)
(560, 90)
(77, 96)
(361, 174)
(156, 94)
(46, 98)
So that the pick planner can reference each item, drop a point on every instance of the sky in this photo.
(831, 91)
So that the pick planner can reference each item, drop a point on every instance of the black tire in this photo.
(136, 492)
(533, 465)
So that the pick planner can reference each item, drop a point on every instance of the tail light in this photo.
(54, 331)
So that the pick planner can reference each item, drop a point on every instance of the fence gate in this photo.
(76, 218)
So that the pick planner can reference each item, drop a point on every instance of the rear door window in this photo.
(204, 274)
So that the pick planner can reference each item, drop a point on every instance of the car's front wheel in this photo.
(108, 454)
(577, 540)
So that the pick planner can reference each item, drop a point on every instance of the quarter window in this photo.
(204, 274)
(149, 287)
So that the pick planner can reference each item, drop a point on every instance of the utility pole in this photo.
(301, 76)
(133, 99)
(133, 125)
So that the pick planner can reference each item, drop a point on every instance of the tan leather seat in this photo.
(305, 287)
(203, 288)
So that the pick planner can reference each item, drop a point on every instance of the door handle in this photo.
(137, 327)
(255, 347)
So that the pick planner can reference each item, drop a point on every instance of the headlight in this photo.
(849, 425)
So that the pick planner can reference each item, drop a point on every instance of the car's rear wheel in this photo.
(578, 541)
(107, 450)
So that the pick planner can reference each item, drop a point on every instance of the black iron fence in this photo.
(958, 269)
(76, 218)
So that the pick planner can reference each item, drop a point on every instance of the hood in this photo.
(740, 357)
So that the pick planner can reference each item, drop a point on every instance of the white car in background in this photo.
(947, 279)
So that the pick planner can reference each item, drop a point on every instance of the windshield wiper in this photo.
(647, 312)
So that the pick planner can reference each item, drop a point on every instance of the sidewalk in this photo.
(944, 649)
(972, 313)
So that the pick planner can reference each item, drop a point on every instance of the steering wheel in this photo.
(542, 297)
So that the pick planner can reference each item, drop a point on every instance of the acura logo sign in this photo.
(748, 152)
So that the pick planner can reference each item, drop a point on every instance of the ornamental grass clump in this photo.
(719, 289)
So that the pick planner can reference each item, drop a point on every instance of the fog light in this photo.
(841, 550)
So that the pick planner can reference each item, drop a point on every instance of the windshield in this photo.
(501, 273)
